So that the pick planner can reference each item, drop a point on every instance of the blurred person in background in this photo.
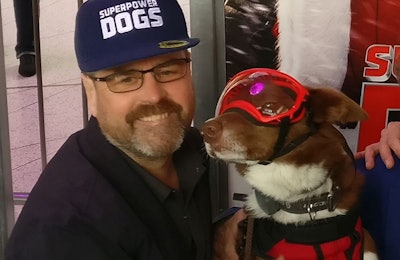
(25, 49)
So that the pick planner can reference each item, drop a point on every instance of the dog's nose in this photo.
(211, 130)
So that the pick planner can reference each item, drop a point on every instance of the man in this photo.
(133, 184)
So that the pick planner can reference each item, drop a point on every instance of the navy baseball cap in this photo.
(112, 33)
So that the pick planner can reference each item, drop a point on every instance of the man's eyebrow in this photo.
(126, 67)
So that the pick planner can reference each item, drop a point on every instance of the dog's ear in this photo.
(331, 105)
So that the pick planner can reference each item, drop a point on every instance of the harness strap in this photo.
(283, 131)
(249, 239)
(263, 234)
(280, 150)
(316, 231)
(348, 247)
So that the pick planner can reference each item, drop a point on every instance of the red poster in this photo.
(382, 103)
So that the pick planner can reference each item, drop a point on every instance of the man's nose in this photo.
(153, 90)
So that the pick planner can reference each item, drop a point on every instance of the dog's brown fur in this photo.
(233, 138)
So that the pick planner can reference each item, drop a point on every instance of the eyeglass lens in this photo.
(133, 79)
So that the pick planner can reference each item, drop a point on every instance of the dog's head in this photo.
(264, 115)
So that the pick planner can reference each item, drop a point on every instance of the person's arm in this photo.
(388, 145)
(55, 244)
(228, 235)
(77, 241)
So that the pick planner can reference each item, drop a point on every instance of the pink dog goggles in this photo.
(266, 95)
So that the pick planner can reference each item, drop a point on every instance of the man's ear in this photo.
(91, 94)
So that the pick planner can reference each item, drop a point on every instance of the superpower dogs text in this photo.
(129, 16)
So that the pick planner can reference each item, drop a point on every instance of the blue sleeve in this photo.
(380, 206)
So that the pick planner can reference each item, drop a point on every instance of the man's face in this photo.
(150, 121)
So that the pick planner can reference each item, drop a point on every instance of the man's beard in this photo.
(146, 141)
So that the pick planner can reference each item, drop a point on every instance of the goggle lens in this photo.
(264, 94)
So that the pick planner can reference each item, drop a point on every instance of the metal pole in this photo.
(84, 100)
(6, 197)
(85, 111)
(209, 75)
(39, 80)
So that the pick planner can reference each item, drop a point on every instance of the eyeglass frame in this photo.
(109, 77)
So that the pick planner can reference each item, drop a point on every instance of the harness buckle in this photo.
(329, 202)
(312, 214)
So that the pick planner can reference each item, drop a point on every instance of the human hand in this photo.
(389, 142)
(228, 236)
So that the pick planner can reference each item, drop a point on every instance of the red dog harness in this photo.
(341, 239)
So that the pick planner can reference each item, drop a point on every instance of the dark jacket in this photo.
(89, 204)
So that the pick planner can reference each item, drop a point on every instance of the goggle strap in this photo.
(284, 127)
(283, 131)
(290, 146)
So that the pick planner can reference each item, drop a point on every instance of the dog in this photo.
(282, 138)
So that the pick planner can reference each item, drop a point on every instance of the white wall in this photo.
(185, 4)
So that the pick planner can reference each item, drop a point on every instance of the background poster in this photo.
(349, 45)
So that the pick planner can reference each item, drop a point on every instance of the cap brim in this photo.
(128, 54)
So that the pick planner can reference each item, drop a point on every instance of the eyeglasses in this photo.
(131, 80)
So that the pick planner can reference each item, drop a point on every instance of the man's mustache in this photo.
(164, 106)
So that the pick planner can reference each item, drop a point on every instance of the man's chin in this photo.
(155, 153)
(160, 146)
(146, 140)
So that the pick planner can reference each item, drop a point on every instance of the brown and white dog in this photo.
(281, 137)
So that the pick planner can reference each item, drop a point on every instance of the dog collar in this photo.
(309, 205)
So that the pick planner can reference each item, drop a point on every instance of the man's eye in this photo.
(167, 71)
(125, 79)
